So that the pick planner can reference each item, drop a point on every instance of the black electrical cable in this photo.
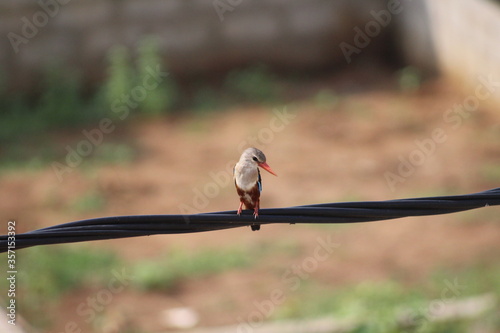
(342, 212)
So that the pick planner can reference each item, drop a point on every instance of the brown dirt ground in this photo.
(326, 153)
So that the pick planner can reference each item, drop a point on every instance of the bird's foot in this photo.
(255, 227)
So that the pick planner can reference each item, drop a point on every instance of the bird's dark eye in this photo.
(254, 158)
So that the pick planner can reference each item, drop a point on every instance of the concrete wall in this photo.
(195, 35)
(459, 38)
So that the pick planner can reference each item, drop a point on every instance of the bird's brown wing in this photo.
(249, 198)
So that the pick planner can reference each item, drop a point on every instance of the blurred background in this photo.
(143, 107)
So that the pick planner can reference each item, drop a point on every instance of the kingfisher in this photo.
(248, 181)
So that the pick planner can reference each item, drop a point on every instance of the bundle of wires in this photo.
(342, 212)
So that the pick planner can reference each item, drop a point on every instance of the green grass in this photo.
(113, 153)
(177, 266)
(46, 273)
(27, 157)
(290, 247)
(170, 270)
(482, 277)
(254, 85)
(375, 306)
(326, 99)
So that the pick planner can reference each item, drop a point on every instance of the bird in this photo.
(248, 181)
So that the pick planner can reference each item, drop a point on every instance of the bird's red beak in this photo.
(266, 167)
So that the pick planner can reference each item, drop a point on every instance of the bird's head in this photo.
(256, 157)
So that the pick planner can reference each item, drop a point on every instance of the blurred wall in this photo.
(195, 36)
(459, 38)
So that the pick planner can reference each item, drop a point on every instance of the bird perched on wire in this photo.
(248, 181)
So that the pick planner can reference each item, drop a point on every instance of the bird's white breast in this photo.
(245, 175)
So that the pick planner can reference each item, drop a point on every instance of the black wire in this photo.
(342, 212)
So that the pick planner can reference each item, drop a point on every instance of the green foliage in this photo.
(55, 270)
(410, 79)
(207, 98)
(482, 277)
(168, 272)
(326, 99)
(121, 77)
(139, 81)
(139, 86)
(114, 153)
(21, 157)
(61, 105)
(64, 104)
(164, 97)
